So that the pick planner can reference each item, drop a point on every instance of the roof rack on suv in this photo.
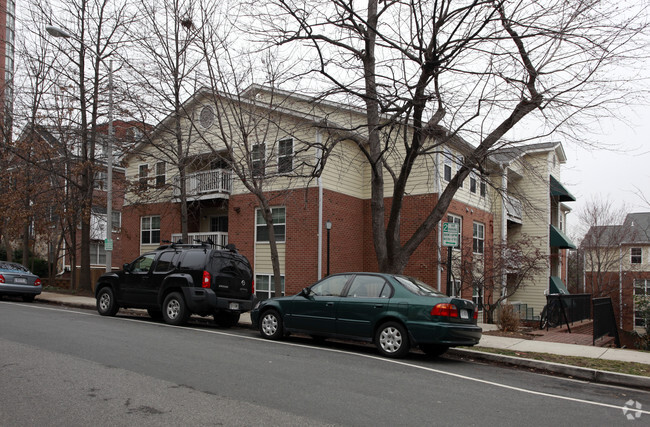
(199, 244)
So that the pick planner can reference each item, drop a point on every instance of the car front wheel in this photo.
(175, 311)
(392, 340)
(106, 304)
(271, 325)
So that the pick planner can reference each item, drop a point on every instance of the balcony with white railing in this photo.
(218, 238)
(206, 184)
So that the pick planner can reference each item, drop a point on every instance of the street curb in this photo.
(587, 374)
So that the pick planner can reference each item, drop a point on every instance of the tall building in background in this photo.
(7, 37)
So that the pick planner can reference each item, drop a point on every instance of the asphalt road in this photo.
(72, 367)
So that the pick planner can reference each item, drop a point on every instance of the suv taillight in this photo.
(206, 279)
(37, 282)
(253, 286)
(444, 309)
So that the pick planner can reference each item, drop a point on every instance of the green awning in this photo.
(558, 190)
(556, 286)
(560, 240)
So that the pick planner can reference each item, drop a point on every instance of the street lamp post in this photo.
(108, 244)
(328, 226)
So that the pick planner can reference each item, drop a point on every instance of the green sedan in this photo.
(393, 311)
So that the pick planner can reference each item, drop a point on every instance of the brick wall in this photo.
(170, 222)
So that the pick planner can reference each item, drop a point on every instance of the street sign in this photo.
(108, 244)
(450, 232)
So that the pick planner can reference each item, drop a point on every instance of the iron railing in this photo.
(605, 320)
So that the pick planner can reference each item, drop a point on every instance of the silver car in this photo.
(16, 279)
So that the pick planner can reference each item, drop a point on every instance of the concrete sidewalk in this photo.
(489, 341)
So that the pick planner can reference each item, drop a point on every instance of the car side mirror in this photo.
(126, 267)
(305, 292)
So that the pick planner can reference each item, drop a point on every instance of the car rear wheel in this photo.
(227, 319)
(434, 350)
(106, 304)
(392, 340)
(175, 311)
(271, 325)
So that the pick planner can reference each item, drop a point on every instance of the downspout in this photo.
(504, 226)
(438, 256)
(620, 285)
(319, 156)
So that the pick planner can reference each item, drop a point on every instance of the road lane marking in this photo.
(333, 350)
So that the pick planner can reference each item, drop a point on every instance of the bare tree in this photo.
(97, 28)
(602, 245)
(166, 66)
(520, 261)
(268, 145)
(428, 72)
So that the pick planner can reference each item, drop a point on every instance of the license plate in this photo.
(464, 314)
(233, 306)
(20, 280)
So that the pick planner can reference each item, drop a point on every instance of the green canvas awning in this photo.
(556, 286)
(560, 240)
(559, 191)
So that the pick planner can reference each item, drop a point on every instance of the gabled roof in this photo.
(634, 230)
(507, 155)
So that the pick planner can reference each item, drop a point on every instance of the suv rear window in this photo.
(231, 266)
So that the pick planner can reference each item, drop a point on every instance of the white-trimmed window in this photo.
(279, 225)
(472, 182)
(99, 181)
(478, 238)
(477, 297)
(457, 220)
(258, 156)
(150, 230)
(143, 174)
(447, 165)
(116, 221)
(641, 292)
(265, 286)
(483, 187)
(636, 255)
(161, 175)
(97, 253)
(285, 155)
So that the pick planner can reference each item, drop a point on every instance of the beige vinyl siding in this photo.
(263, 264)
(536, 220)
(345, 171)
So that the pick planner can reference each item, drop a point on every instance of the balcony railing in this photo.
(218, 238)
(205, 183)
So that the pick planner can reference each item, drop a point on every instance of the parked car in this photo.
(16, 279)
(175, 281)
(393, 311)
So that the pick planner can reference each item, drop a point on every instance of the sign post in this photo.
(450, 237)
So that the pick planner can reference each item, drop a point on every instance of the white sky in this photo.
(617, 173)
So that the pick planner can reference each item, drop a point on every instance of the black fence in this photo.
(605, 320)
(572, 308)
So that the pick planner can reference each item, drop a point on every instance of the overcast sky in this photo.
(616, 174)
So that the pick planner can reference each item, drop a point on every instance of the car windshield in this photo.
(418, 287)
(12, 266)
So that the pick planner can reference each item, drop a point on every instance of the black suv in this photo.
(177, 280)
